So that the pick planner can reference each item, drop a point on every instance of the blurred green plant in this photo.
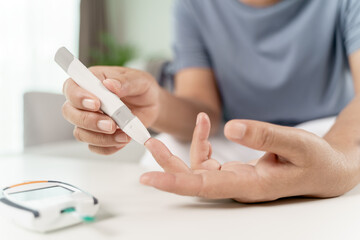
(113, 54)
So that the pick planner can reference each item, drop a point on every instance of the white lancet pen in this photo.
(110, 103)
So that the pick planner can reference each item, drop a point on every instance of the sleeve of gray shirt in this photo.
(189, 47)
(350, 20)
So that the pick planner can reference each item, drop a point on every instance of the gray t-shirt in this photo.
(286, 63)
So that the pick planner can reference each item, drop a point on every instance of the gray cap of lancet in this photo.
(63, 57)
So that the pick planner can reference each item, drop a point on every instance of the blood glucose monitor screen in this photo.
(41, 193)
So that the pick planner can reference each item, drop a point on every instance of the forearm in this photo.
(346, 130)
(178, 115)
(345, 133)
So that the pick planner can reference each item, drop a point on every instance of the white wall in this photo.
(144, 23)
(31, 32)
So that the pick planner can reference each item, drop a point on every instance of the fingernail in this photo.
(105, 125)
(238, 130)
(121, 138)
(206, 117)
(89, 104)
(147, 144)
(198, 118)
(115, 83)
(144, 179)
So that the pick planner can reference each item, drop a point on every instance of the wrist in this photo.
(343, 144)
(348, 160)
(161, 102)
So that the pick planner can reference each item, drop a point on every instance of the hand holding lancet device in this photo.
(110, 103)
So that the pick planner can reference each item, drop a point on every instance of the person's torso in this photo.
(284, 64)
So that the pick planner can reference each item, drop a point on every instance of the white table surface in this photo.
(131, 211)
(74, 149)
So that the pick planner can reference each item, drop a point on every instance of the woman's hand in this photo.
(137, 89)
(296, 163)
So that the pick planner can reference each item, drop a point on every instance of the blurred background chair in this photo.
(43, 121)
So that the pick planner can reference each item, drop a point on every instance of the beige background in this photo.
(147, 25)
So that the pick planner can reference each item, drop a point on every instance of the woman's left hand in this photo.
(297, 163)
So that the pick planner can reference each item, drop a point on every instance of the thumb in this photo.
(119, 80)
(130, 83)
(114, 86)
(287, 142)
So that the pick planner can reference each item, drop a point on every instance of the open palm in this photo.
(296, 163)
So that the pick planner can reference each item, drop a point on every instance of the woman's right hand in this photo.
(137, 89)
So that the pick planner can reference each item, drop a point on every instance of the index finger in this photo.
(168, 161)
(210, 184)
(79, 97)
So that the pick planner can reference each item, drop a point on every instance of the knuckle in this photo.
(102, 139)
(73, 94)
(203, 191)
(100, 71)
(83, 119)
(65, 85)
(93, 68)
(77, 134)
(302, 141)
(264, 137)
(114, 126)
(65, 109)
(101, 150)
(108, 152)
(86, 119)
(95, 149)
(77, 95)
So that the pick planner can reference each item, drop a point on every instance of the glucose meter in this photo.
(47, 205)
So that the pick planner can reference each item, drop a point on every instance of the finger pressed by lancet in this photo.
(163, 156)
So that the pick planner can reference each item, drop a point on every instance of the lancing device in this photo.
(110, 103)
